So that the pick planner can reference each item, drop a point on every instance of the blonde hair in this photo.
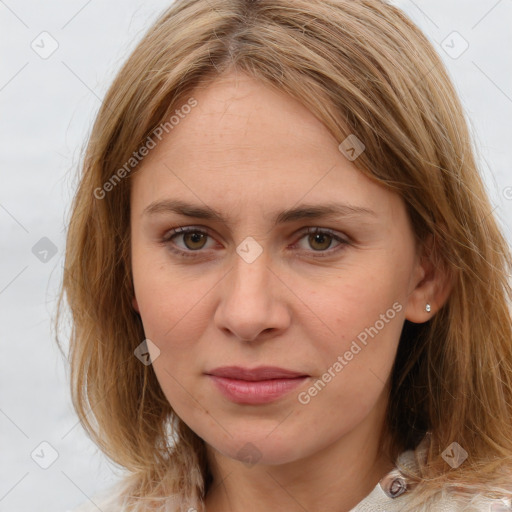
(362, 67)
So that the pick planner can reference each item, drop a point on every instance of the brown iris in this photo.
(195, 238)
(320, 238)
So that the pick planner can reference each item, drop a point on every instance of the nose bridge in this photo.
(249, 304)
(250, 273)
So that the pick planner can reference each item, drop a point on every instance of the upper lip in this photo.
(259, 373)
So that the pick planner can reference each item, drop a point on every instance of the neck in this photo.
(334, 479)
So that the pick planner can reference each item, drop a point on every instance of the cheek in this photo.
(167, 298)
(361, 298)
(174, 324)
(365, 315)
(174, 315)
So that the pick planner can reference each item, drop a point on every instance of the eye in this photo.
(321, 240)
(194, 240)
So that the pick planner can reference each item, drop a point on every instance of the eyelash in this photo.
(167, 241)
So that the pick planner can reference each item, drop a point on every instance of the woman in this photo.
(287, 286)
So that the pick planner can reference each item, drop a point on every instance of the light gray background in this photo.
(47, 107)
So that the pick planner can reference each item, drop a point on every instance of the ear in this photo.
(135, 304)
(432, 284)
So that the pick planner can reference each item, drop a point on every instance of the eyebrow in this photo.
(304, 211)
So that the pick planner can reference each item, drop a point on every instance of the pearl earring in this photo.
(428, 309)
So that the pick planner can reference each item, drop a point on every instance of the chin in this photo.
(259, 449)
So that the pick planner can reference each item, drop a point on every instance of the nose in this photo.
(252, 301)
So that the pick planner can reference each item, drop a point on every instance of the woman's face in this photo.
(249, 171)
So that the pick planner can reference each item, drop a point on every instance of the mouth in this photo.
(255, 386)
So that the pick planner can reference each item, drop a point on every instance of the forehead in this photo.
(238, 117)
(247, 144)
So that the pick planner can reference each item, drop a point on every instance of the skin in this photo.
(250, 152)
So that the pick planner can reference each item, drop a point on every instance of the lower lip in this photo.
(255, 392)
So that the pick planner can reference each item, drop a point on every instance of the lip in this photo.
(255, 386)
(255, 374)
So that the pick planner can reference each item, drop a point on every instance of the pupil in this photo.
(195, 237)
(320, 238)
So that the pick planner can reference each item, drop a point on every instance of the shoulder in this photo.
(396, 493)
(107, 500)
(113, 499)
(452, 498)
(449, 500)
(103, 503)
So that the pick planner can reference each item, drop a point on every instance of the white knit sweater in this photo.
(389, 495)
